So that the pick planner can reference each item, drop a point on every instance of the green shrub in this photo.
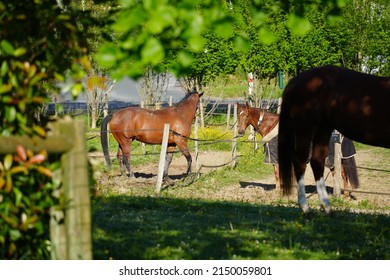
(26, 196)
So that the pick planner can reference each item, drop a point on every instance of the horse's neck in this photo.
(188, 107)
(255, 117)
(267, 123)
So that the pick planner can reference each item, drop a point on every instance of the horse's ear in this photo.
(247, 104)
(200, 94)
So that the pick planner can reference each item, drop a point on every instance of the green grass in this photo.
(185, 223)
(168, 228)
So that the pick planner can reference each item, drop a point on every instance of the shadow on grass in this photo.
(266, 187)
(128, 227)
(269, 187)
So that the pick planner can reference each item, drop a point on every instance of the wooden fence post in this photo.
(337, 179)
(163, 153)
(228, 116)
(197, 165)
(279, 106)
(75, 233)
(201, 113)
(70, 233)
(143, 145)
(234, 142)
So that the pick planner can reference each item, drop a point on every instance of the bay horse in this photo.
(316, 102)
(145, 125)
(264, 122)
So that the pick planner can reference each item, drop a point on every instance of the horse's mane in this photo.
(185, 98)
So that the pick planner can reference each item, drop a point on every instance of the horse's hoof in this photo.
(305, 208)
(326, 208)
(165, 179)
(130, 175)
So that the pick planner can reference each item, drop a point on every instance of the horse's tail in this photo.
(351, 173)
(104, 140)
(286, 144)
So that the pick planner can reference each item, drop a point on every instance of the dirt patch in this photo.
(373, 172)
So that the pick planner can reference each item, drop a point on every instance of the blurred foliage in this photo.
(205, 39)
(151, 32)
(26, 196)
(42, 44)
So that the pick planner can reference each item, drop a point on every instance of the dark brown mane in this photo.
(185, 98)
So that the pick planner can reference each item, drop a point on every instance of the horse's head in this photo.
(243, 118)
(199, 95)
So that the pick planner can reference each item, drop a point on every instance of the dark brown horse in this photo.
(318, 101)
(144, 125)
(263, 122)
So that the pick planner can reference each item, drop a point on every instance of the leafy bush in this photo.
(26, 196)
(40, 44)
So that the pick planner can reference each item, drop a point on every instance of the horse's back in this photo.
(352, 102)
(146, 125)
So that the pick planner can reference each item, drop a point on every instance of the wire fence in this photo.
(222, 138)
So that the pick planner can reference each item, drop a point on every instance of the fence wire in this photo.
(213, 141)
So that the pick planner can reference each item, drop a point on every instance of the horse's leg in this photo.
(300, 158)
(119, 156)
(168, 160)
(317, 162)
(125, 147)
(299, 171)
(182, 144)
(277, 178)
(345, 178)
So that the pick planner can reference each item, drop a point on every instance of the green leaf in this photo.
(266, 36)
(128, 20)
(20, 51)
(7, 47)
(59, 77)
(39, 129)
(4, 68)
(160, 19)
(107, 55)
(224, 29)
(127, 3)
(298, 25)
(5, 88)
(196, 43)
(10, 114)
(241, 44)
(152, 52)
(18, 196)
(185, 59)
(151, 5)
(14, 234)
(10, 220)
(8, 160)
(342, 3)
(75, 91)
(259, 18)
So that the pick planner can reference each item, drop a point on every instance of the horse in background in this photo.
(266, 124)
(147, 126)
(316, 102)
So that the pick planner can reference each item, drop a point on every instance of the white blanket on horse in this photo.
(274, 132)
